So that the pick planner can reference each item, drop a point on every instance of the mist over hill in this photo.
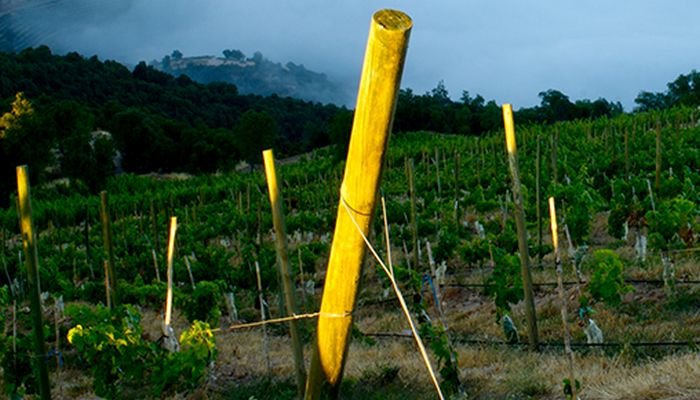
(256, 75)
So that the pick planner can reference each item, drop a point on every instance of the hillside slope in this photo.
(256, 75)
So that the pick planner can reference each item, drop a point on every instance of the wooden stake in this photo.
(520, 225)
(414, 226)
(457, 188)
(262, 318)
(108, 246)
(376, 102)
(108, 287)
(32, 259)
(155, 264)
(302, 282)
(657, 182)
(171, 253)
(627, 154)
(189, 271)
(555, 144)
(154, 227)
(538, 200)
(284, 266)
(562, 297)
(86, 233)
(437, 172)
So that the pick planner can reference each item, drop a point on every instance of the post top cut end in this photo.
(393, 20)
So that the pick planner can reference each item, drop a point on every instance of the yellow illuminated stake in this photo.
(562, 297)
(283, 264)
(520, 225)
(31, 254)
(376, 102)
(553, 225)
(171, 253)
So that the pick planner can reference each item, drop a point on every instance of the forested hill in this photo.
(158, 122)
(256, 75)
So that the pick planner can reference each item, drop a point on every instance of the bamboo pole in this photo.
(538, 200)
(154, 226)
(520, 225)
(562, 298)
(108, 246)
(376, 102)
(657, 181)
(414, 226)
(627, 154)
(457, 188)
(155, 263)
(86, 238)
(108, 287)
(189, 271)
(32, 259)
(437, 172)
(261, 300)
(555, 145)
(302, 281)
(284, 266)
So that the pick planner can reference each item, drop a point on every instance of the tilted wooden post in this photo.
(376, 102)
(32, 259)
(284, 266)
(520, 225)
(109, 247)
(562, 297)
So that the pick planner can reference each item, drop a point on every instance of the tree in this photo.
(556, 106)
(255, 132)
(22, 141)
(647, 101)
(685, 89)
(340, 130)
(144, 146)
(234, 54)
(176, 55)
(20, 111)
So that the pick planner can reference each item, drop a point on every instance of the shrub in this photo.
(505, 284)
(125, 365)
(203, 303)
(607, 283)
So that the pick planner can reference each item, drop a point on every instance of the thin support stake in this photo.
(562, 297)
(283, 263)
(108, 246)
(262, 318)
(402, 302)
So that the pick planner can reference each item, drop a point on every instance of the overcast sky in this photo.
(507, 50)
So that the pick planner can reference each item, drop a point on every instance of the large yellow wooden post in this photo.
(374, 113)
